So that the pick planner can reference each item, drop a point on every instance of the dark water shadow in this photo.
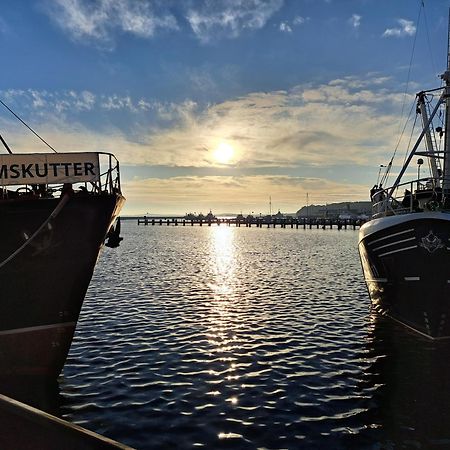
(408, 380)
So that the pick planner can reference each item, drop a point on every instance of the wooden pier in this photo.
(289, 222)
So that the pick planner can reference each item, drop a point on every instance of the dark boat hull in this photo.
(44, 285)
(25, 428)
(406, 265)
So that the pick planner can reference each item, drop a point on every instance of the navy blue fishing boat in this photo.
(405, 247)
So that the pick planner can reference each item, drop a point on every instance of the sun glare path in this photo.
(223, 153)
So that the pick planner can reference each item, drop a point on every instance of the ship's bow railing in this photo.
(419, 195)
(109, 180)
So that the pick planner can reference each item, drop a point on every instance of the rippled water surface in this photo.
(224, 337)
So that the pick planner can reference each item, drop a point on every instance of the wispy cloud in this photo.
(97, 20)
(355, 20)
(298, 20)
(229, 18)
(406, 28)
(287, 26)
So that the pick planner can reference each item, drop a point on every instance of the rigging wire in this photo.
(422, 5)
(410, 139)
(31, 129)
(389, 166)
(405, 94)
(5, 145)
(428, 38)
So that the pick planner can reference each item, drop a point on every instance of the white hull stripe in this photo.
(391, 235)
(399, 250)
(394, 243)
(39, 328)
(412, 278)
(376, 280)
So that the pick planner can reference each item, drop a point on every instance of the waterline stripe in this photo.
(38, 328)
(394, 243)
(396, 251)
(391, 235)
(376, 280)
(412, 278)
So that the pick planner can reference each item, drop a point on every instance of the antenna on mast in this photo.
(448, 41)
(446, 77)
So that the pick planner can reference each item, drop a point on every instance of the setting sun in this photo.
(223, 153)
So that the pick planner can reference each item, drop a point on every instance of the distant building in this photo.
(344, 210)
(279, 215)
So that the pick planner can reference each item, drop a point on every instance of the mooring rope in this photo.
(55, 212)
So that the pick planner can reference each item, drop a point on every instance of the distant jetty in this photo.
(258, 222)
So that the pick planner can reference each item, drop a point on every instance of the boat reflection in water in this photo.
(409, 379)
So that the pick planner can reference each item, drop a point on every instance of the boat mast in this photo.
(446, 77)
(416, 145)
(428, 138)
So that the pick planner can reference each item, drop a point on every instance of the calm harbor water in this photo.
(223, 337)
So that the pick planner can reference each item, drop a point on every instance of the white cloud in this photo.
(96, 20)
(285, 28)
(84, 101)
(298, 20)
(115, 102)
(99, 20)
(230, 17)
(407, 28)
(355, 20)
(44, 102)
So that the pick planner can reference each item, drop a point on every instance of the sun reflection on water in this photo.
(223, 285)
(223, 324)
(223, 261)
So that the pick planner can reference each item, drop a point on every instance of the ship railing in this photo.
(424, 194)
(108, 182)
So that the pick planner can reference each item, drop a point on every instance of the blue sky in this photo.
(308, 94)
